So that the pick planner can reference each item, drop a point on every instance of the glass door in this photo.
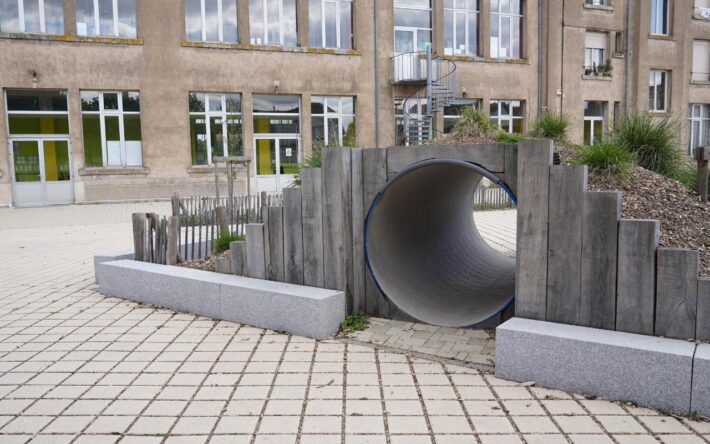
(277, 161)
(41, 172)
(27, 176)
(58, 187)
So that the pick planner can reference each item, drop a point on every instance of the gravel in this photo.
(206, 264)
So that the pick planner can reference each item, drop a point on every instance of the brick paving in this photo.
(79, 367)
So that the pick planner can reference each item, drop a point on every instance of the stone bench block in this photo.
(306, 311)
(701, 381)
(650, 371)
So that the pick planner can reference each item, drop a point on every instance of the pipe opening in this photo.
(425, 252)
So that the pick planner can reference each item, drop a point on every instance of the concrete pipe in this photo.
(425, 252)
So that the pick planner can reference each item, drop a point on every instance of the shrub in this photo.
(606, 160)
(651, 139)
(354, 322)
(550, 125)
(221, 243)
(506, 137)
(312, 160)
(473, 123)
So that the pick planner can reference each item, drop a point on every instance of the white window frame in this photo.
(510, 16)
(280, 114)
(589, 120)
(9, 112)
(705, 75)
(265, 22)
(698, 118)
(662, 12)
(666, 90)
(413, 29)
(21, 17)
(337, 115)
(467, 14)
(224, 115)
(595, 2)
(338, 38)
(220, 18)
(510, 118)
(102, 113)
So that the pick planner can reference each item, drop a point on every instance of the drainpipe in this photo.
(540, 48)
(627, 59)
(377, 84)
(562, 61)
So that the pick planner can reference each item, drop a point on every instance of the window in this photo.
(111, 123)
(453, 112)
(35, 112)
(412, 25)
(594, 52)
(38, 16)
(409, 128)
(461, 27)
(215, 126)
(506, 28)
(273, 22)
(331, 23)
(658, 91)
(699, 125)
(116, 18)
(211, 21)
(507, 115)
(593, 122)
(659, 17)
(333, 121)
(619, 46)
(276, 114)
(701, 61)
(596, 2)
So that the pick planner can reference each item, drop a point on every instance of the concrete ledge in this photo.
(701, 381)
(650, 371)
(305, 311)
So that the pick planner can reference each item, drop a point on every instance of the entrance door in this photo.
(276, 162)
(41, 172)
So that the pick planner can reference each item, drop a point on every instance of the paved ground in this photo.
(79, 367)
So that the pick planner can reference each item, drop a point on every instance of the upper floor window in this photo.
(215, 126)
(273, 22)
(113, 18)
(37, 112)
(594, 52)
(453, 112)
(701, 61)
(111, 123)
(507, 115)
(461, 27)
(658, 91)
(211, 21)
(333, 121)
(506, 28)
(37, 16)
(412, 25)
(597, 2)
(659, 17)
(331, 23)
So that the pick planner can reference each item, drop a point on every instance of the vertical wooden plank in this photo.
(312, 208)
(264, 210)
(256, 267)
(511, 168)
(358, 233)
(702, 324)
(676, 292)
(171, 253)
(636, 275)
(374, 178)
(275, 261)
(222, 221)
(533, 182)
(139, 237)
(238, 257)
(337, 206)
(602, 211)
(293, 235)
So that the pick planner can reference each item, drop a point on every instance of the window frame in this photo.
(115, 20)
(589, 120)
(477, 103)
(338, 25)
(339, 114)
(414, 29)
(702, 121)
(220, 18)
(224, 115)
(279, 114)
(9, 112)
(265, 22)
(499, 16)
(510, 117)
(666, 90)
(467, 14)
(42, 18)
(664, 20)
(706, 73)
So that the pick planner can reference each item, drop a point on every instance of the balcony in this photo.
(410, 68)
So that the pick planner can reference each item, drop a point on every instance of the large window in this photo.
(701, 61)
(276, 114)
(658, 91)
(461, 27)
(40, 16)
(215, 126)
(699, 125)
(331, 23)
(593, 122)
(211, 21)
(453, 112)
(114, 18)
(35, 112)
(659, 17)
(111, 123)
(412, 25)
(507, 115)
(333, 121)
(594, 51)
(273, 22)
(506, 28)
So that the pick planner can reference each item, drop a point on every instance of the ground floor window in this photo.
(409, 128)
(699, 126)
(593, 121)
(507, 115)
(333, 121)
(215, 126)
(453, 112)
(111, 124)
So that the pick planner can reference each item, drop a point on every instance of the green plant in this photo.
(653, 140)
(550, 125)
(353, 322)
(607, 160)
(506, 137)
(313, 160)
(473, 123)
(221, 243)
(687, 174)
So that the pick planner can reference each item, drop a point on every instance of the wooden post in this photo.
(221, 213)
(175, 204)
(702, 328)
(255, 251)
(139, 236)
(358, 233)
(676, 293)
(293, 235)
(238, 256)
(702, 154)
(275, 260)
(312, 212)
(171, 252)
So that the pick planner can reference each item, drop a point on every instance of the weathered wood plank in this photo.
(358, 233)
(256, 265)
(568, 184)
(293, 235)
(275, 260)
(636, 275)
(490, 156)
(173, 240)
(238, 257)
(141, 240)
(676, 292)
(337, 206)
(222, 221)
(702, 327)
(602, 211)
(510, 173)
(312, 208)
(534, 160)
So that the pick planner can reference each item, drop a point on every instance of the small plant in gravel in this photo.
(653, 140)
(550, 125)
(221, 243)
(506, 137)
(353, 322)
(606, 160)
(473, 124)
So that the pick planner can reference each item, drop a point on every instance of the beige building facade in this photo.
(106, 100)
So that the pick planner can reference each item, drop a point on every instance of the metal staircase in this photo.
(437, 78)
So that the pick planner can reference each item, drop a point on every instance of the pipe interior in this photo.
(425, 252)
